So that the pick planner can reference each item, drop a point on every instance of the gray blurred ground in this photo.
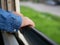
(43, 7)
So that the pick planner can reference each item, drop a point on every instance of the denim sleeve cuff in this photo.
(18, 23)
(9, 22)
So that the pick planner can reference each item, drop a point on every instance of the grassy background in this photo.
(45, 22)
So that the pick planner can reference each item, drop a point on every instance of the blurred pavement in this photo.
(43, 7)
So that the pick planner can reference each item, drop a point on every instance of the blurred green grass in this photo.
(45, 22)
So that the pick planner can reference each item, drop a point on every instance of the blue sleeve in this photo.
(9, 22)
